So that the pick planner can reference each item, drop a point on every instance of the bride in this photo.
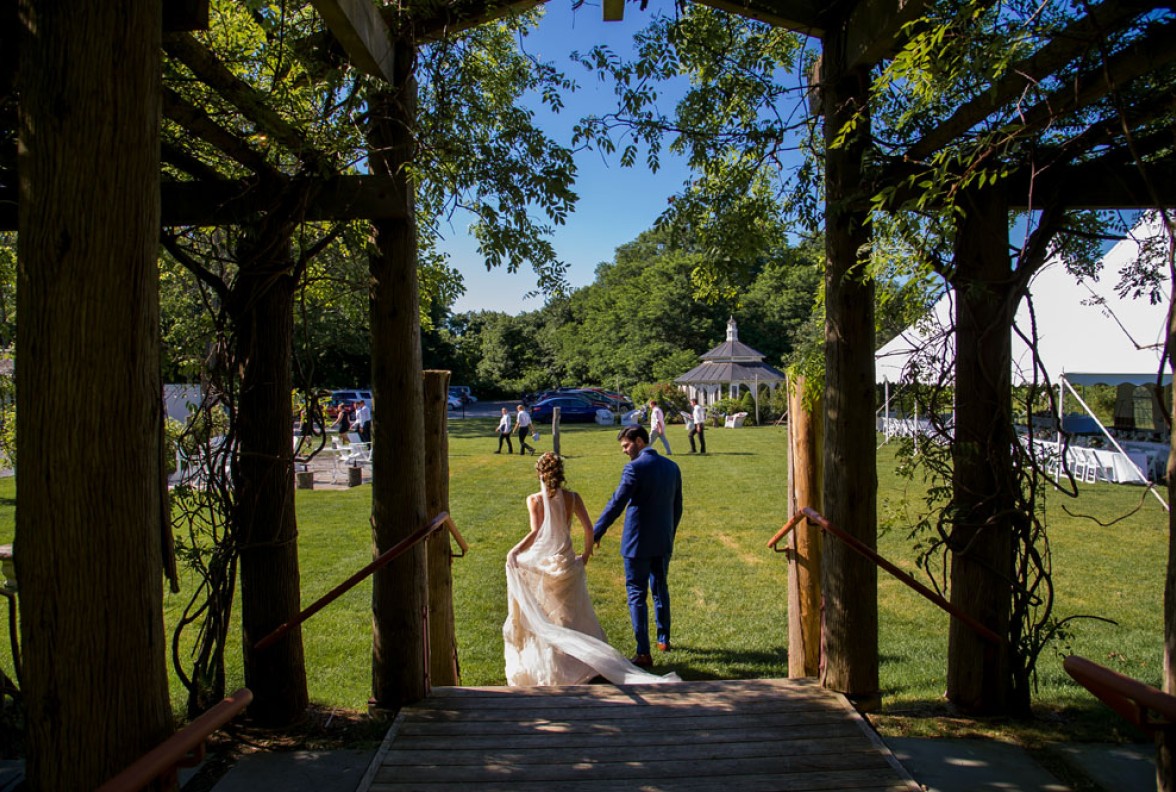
(551, 634)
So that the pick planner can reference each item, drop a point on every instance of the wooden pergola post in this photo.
(805, 452)
(983, 484)
(444, 668)
(399, 590)
(88, 522)
(262, 307)
(850, 582)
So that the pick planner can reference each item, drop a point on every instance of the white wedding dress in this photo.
(551, 634)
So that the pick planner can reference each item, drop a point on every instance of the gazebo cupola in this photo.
(732, 366)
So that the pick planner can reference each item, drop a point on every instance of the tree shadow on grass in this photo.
(695, 664)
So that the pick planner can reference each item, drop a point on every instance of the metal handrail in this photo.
(1129, 697)
(185, 748)
(397, 550)
(861, 548)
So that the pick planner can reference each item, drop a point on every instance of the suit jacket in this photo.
(650, 493)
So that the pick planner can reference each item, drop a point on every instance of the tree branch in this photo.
(171, 243)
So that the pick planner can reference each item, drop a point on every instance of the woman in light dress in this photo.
(551, 634)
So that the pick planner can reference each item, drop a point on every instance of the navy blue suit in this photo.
(650, 494)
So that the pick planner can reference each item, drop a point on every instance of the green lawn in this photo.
(730, 613)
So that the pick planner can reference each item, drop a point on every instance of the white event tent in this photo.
(1087, 333)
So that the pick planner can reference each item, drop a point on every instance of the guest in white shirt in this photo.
(698, 418)
(657, 426)
(524, 419)
(504, 432)
(363, 421)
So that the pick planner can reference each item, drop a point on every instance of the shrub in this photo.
(671, 399)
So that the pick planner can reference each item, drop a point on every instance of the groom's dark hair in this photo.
(634, 432)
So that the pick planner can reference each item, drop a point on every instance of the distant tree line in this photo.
(641, 320)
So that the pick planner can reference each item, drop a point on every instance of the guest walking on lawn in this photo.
(697, 426)
(657, 426)
(504, 432)
(524, 421)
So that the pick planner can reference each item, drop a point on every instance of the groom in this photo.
(651, 489)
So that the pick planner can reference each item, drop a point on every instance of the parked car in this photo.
(455, 403)
(571, 409)
(463, 392)
(617, 401)
(609, 400)
(341, 398)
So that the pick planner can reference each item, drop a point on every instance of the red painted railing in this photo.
(185, 748)
(1129, 697)
(861, 548)
(400, 548)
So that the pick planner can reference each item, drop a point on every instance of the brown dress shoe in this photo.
(642, 661)
(663, 647)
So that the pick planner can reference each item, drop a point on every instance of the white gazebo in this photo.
(727, 369)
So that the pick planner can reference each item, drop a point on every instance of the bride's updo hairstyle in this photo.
(551, 471)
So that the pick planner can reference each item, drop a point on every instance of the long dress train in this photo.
(551, 633)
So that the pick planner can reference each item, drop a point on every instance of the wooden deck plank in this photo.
(584, 710)
(651, 768)
(582, 739)
(752, 734)
(619, 727)
(629, 751)
(860, 780)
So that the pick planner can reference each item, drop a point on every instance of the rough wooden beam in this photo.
(362, 32)
(185, 15)
(8, 202)
(225, 202)
(1076, 39)
(1111, 183)
(1142, 58)
(196, 121)
(253, 104)
(797, 15)
(449, 19)
(189, 163)
(1108, 135)
(9, 35)
(874, 31)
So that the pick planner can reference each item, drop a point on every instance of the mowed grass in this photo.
(728, 589)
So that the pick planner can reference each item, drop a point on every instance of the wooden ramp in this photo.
(762, 734)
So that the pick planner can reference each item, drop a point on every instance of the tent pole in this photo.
(916, 426)
(1150, 484)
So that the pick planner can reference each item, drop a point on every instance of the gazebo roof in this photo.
(731, 361)
(733, 350)
(723, 372)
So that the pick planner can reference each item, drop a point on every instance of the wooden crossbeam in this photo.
(189, 163)
(1078, 38)
(235, 202)
(1114, 183)
(253, 104)
(364, 35)
(197, 121)
(226, 202)
(800, 16)
(1143, 58)
(875, 29)
(185, 15)
(454, 17)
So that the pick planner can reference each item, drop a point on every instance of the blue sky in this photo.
(616, 204)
